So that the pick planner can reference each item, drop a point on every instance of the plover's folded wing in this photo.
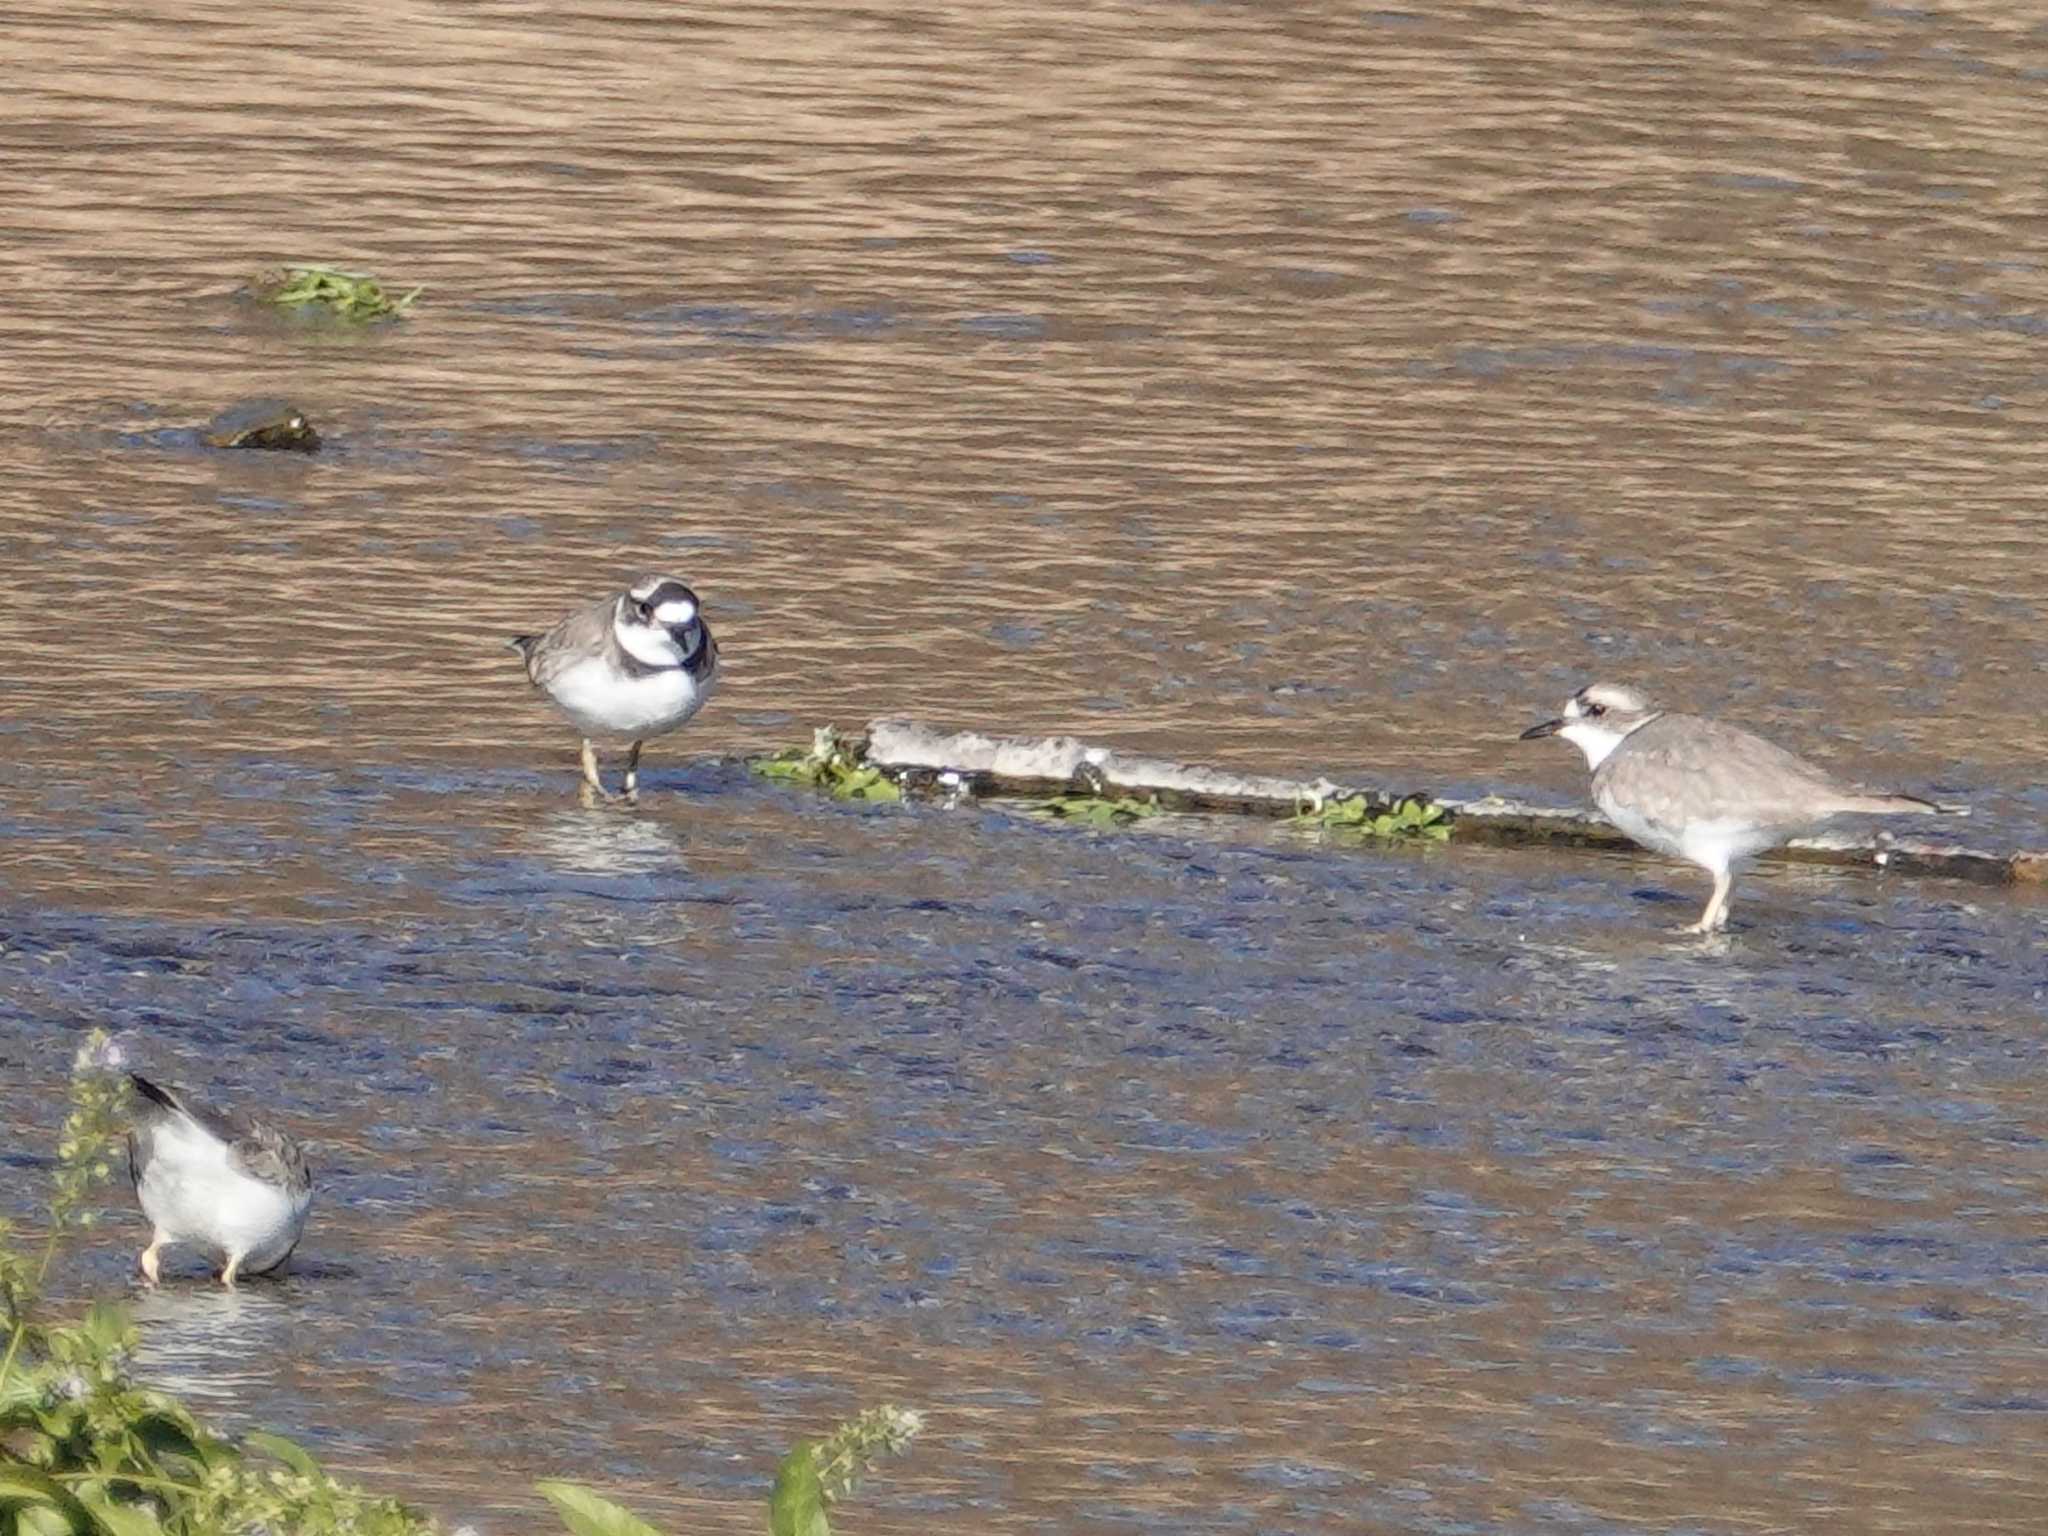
(266, 1153)
(1680, 770)
(703, 661)
(583, 634)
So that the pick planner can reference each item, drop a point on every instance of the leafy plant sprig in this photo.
(85, 1157)
(810, 1479)
(837, 1463)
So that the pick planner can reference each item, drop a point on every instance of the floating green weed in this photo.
(832, 763)
(1369, 816)
(1095, 810)
(350, 295)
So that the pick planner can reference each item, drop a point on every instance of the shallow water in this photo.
(1301, 389)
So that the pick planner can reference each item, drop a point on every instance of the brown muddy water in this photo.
(1305, 388)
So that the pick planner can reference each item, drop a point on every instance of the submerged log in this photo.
(1053, 765)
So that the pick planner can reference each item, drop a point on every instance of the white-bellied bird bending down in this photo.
(236, 1186)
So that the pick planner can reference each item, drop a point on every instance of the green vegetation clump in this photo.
(354, 296)
(833, 762)
(84, 1451)
(1095, 810)
(1365, 816)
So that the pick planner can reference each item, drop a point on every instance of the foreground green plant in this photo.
(811, 1478)
(834, 763)
(1365, 816)
(350, 295)
(1095, 810)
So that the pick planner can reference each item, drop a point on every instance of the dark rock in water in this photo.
(275, 425)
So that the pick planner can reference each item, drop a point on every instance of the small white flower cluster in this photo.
(901, 1425)
(100, 1052)
(856, 1445)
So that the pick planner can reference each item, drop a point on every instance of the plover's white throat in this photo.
(1706, 792)
(633, 666)
(238, 1187)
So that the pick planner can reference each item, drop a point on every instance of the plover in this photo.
(1707, 792)
(239, 1187)
(633, 666)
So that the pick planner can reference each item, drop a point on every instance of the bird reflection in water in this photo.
(206, 1344)
(604, 843)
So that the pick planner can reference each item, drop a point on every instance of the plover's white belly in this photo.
(1638, 827)
(192, 1192)
(1717, 844)
(1712, 844)
(607, 703)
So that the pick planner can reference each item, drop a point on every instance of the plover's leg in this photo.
(633, 771)
(590, 775)
(1716, 915)
(149, 1260)
(227, 1274)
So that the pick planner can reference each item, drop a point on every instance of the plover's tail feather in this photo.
(524, 644)
(161, 1097)
(1899, 805)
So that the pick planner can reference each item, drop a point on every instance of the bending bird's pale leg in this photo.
(1716, 915)
(590, 775)
(227, 1275)
(149, 1260)
(633, 771)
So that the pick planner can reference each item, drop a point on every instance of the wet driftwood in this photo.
(1049, 765)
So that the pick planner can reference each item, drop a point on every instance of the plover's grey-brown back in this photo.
(236, 1186)
(1707, 792)
(632, 666)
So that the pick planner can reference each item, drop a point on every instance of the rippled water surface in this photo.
(1305, 388)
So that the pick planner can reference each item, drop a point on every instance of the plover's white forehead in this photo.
(663, 600)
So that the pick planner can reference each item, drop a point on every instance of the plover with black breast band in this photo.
(628, 668)
(1703, 791)
(237, 1186)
